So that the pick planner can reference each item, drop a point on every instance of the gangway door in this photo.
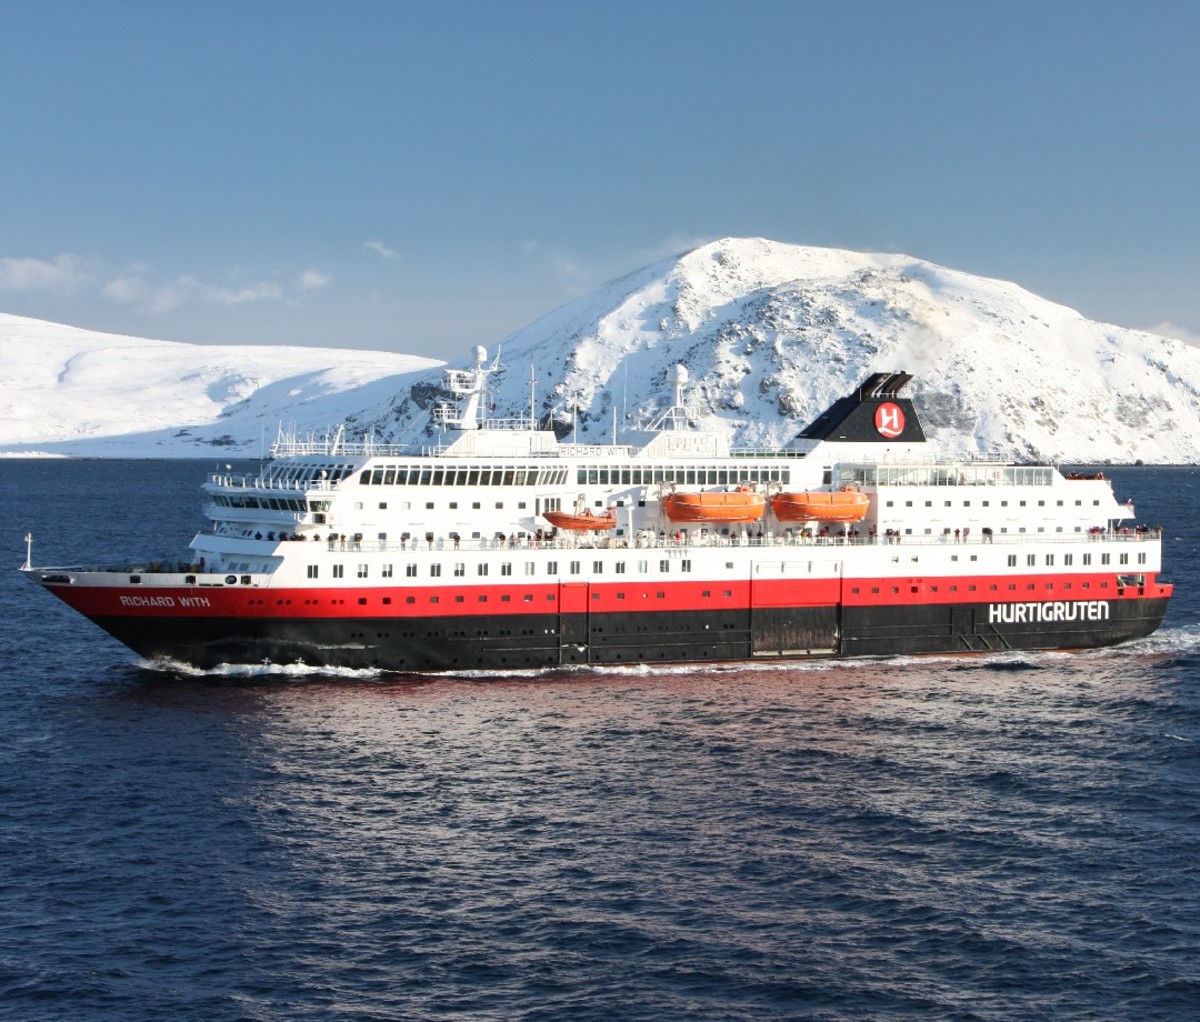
(573, 624)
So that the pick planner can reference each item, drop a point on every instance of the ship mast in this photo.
(469, 387)
(532, 396)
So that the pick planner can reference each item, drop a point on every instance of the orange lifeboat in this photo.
(740, 506)
(844, 505)
(582, 521)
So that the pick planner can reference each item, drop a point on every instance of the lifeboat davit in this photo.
(739, 506)
(845, 505)
(582, 521)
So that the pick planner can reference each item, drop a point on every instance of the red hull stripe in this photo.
(597, 597)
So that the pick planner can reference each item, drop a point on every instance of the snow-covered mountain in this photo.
(87, 394)
(770, 333)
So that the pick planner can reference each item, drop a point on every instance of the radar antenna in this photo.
(679, 415)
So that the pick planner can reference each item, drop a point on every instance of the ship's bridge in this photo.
(935, 473)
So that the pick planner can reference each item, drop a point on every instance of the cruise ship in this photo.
(505, 546)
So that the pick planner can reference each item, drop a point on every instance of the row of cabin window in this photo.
(629, 476)
(1069, 559)
(482, 570)
(1003, 530)
(270, 503)
(946, 475)
(328, 473)
(988, 503)
(552, 504)
(993, 587)
(427, 475)
(503, 598)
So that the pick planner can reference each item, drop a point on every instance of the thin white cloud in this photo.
(189, 290)
(1180, 333)
(63, 273)
(135, 285)
(380, 249)
(267, 291)
(128, 288)
(313, 280)
(135, 288)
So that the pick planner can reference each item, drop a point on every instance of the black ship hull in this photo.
(502, 642)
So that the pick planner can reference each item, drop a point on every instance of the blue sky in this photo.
(421, 177)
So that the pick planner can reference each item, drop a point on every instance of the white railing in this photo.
(335, 448)
(647, 539)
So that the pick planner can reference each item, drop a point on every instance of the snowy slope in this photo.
(77, 392)
(772, 333)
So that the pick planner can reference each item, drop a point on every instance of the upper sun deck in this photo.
(869, 439)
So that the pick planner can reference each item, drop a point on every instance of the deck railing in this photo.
(678, 539)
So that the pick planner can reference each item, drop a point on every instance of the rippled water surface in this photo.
(1012, 838)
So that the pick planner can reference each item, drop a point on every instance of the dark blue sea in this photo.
(1006, 838)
